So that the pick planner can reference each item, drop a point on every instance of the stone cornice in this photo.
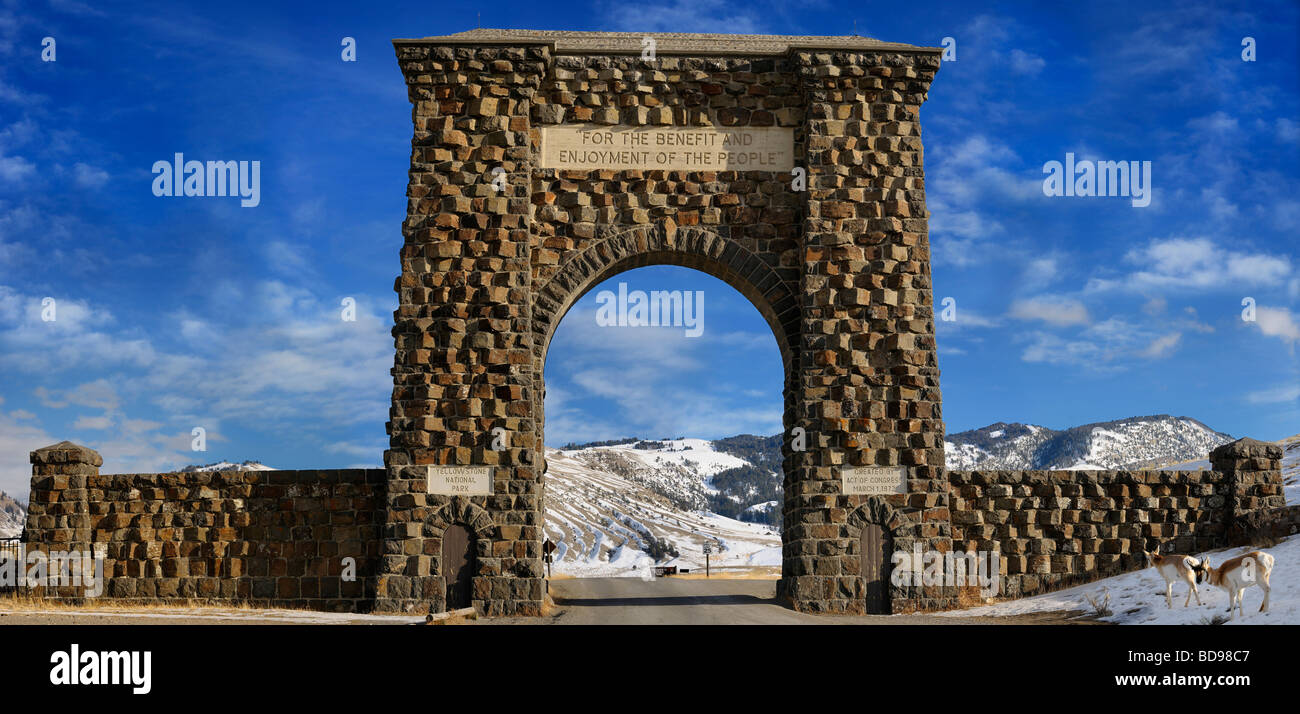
(669, 43)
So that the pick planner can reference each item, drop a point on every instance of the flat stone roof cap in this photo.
(573, 42)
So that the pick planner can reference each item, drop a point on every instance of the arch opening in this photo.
(578, 541)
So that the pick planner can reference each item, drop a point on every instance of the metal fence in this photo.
(9, 551)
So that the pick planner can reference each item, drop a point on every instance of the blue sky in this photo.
(175, 313)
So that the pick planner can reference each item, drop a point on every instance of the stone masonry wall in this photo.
(1054, 529)
(277, 538)
(271, 538)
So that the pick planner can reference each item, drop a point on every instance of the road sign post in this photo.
(547, 548)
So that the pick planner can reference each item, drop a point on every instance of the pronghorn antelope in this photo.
(1237, 574)
(1176, 568)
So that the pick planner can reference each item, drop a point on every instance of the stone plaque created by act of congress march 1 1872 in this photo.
(668, 148)
(460, 480)
(874, 480)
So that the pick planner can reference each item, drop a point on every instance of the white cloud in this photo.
(15, 168)
(88, 422)
(19, 436)
(286, 258)
(1025, 63)
(978, 168)
(1194, 264)
(1108, 345)
(963, 317)
(88, 176)
(684, 16)
(1052, 309)
(281, 358)
(1039, 272)
(1277, 322)
(374, 450)
(1161, 346)
(965, 183)
(1288, 130)
(78, 335)
(1276, 395)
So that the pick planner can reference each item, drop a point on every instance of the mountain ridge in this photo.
(1129, 443)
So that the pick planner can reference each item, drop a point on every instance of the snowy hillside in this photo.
(12, 516)
(733, 477)
(1136, 442)
(610, 525)
(1291, 468)
(228, 466)
(677, 470)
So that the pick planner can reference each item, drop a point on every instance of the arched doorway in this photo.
(458, 565)
(875, 551)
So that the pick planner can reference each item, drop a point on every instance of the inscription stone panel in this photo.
(667, 148)
(460, 480)
(874, 480)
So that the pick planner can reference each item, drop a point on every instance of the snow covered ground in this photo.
(1138, 598)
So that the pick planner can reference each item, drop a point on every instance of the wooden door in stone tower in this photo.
(876, 553)
(458, 566)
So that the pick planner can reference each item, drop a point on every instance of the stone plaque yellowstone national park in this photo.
(460, 480)
(671, 148)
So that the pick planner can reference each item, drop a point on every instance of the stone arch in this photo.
(459, 510)
(662, 243)
(878, 511)
(840, 271)
(619, 249)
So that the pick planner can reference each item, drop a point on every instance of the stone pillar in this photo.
(464, 344)
(58, 512)
(869, 381)
(1252, 472)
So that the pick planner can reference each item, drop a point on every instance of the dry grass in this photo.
(26, 602)
(1100, 605)
(970, 596)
